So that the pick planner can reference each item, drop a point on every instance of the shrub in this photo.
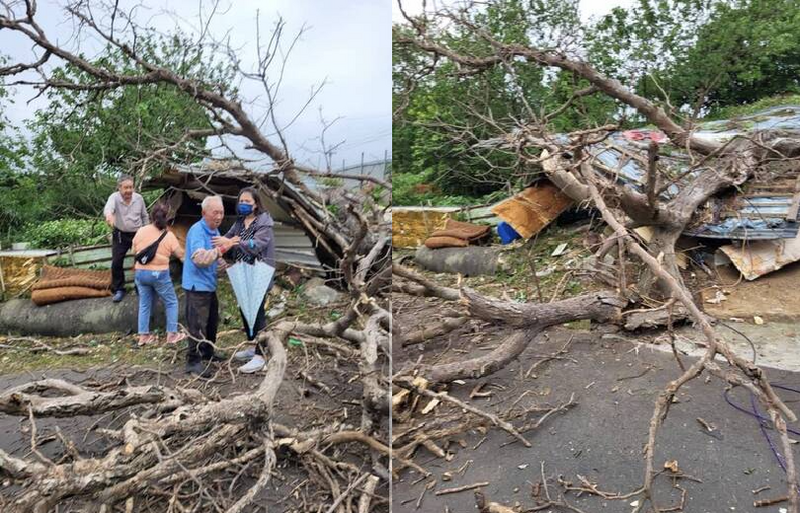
(65, 232)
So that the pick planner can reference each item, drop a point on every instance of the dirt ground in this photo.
(773, 297)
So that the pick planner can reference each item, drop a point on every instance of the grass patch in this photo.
(114, 348)
(558, 276)
(105, 349)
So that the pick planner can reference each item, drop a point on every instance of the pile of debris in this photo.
(754, 227)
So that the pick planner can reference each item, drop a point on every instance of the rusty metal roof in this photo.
(766, 207)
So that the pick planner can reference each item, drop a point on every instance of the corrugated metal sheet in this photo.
(765, 209)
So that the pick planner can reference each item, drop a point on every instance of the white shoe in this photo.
(245, 354)
(254, 365)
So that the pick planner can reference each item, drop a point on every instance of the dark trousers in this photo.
(120, 245)
(260, 324)
(202, 317)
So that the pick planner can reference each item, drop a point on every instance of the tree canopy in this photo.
(693, 57)
(82, 139)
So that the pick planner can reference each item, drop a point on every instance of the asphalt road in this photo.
(603, 436)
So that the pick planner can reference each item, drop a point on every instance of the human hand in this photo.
(110, 220)
(224, 243)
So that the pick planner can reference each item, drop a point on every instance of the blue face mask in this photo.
(243, 209)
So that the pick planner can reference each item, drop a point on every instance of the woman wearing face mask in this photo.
(250, 239)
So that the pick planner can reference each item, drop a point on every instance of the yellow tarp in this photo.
(412, 225)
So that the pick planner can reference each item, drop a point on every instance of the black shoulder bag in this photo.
(149, 253)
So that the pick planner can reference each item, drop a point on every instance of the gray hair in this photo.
(124, 178)
(209, 199)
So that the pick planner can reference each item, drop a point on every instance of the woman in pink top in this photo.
(153, 278)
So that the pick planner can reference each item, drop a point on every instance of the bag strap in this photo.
(161, 237)
(155, 243)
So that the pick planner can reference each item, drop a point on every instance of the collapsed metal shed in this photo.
(765, 207)
(186, 186)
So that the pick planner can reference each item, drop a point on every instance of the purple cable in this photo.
(762, 419)
(762, 426)
(763, 422)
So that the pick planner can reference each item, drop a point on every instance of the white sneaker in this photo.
(254, 365)
(245, 354)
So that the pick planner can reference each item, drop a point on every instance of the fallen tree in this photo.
(180, 449)
(71, 318)
(566, 161)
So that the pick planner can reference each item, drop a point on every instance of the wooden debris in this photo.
(462, 488)
(533, 208)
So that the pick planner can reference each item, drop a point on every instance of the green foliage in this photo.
(101, 133)
(410, 189)
(444, 113)
(13, 207)
(81, 140)
(702, 54)
(330, 181)
(377, 194)
(699, 56)
(65, 232)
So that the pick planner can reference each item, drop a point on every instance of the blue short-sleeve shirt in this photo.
(202, 279)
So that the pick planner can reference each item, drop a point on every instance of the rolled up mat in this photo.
(57, 277)
(446, 242)
(466, 231)
(43, 297)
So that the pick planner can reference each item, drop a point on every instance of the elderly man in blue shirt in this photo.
(200, 284)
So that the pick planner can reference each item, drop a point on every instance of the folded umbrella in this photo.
(250, 283)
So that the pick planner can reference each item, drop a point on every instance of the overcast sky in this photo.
(347, 44)
(589, 8)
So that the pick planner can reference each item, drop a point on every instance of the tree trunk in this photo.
(661, 246)
(530, 319)
(71, 318)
